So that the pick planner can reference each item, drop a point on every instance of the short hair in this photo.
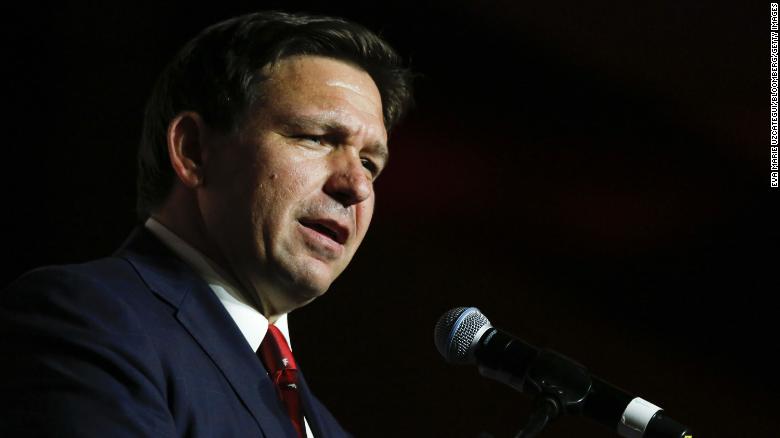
(218, 75)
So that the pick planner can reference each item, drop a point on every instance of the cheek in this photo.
(281, 191)
(290, 188)
(300, 179)
(363, 214)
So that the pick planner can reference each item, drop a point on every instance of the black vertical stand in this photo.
(546, 410)
(563, 394)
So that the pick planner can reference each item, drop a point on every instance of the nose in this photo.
(349, 183)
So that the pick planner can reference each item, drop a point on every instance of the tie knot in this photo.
(275, 353)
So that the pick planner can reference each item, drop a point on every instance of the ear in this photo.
(186, 148)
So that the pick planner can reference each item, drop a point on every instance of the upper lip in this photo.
(330, 227)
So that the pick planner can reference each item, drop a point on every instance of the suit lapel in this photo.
(202, 314)
(313, 415)
(231, 353)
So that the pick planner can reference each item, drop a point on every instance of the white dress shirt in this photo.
(252, 324)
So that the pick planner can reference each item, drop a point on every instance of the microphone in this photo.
(464, 335)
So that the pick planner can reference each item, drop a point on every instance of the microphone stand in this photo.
(563, 394)
(546, 411)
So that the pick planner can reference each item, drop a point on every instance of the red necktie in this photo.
(278, 360)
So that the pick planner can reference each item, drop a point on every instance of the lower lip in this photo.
(321, 243)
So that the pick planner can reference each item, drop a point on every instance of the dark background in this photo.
(593, 176)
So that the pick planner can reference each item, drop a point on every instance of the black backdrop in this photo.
(593, 176)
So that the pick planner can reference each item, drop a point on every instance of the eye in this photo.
(309, 138)
(370, 165)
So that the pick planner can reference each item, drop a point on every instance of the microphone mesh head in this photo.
(457, 332)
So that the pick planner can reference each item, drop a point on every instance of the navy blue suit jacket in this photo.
(133, 345)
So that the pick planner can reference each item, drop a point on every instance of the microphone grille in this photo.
(457, 332)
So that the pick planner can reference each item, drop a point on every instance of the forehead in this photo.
(323, 88)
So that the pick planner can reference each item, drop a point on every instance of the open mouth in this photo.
(331, 230)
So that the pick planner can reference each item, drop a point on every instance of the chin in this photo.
(307, 287)
(312, 289)
(306, 280)
(315, 277)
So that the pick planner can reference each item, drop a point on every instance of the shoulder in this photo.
(76, 340)
(92, 272)
(105, 290)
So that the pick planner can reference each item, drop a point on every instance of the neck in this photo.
(185, 221)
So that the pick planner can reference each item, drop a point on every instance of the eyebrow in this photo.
(328, 124)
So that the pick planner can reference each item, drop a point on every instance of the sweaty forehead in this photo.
(320, 83)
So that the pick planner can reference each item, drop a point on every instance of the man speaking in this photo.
(261, 142)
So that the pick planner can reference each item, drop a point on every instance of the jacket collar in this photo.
(200, 313)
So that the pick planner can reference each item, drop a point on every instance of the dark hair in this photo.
(217, 74)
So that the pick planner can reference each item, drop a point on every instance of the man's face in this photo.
(288, 199)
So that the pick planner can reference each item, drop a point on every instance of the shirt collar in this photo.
(252, 324)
